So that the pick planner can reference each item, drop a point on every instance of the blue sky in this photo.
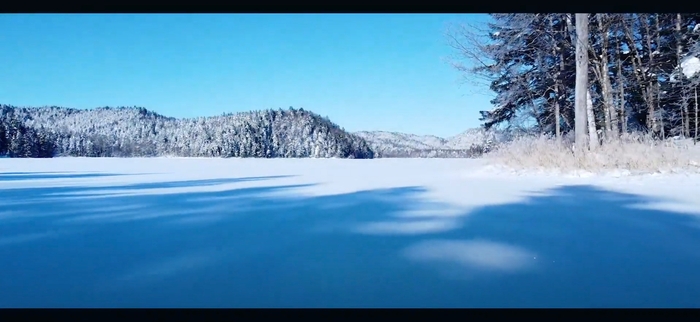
(365, 72)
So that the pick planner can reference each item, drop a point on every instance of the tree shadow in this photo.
(19, 176)
(35, 196)
(574, 246)
(37, 173)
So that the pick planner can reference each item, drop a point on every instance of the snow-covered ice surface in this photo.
(187, 232)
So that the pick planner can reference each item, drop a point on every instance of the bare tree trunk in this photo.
(661, 111)
(557, 116)
(541, 123)
(566, 119)
(685, 114)
(621, 84)
(581, 87)
(656, 79)
(604, 78)
(696, 115)
(597, 72)
(592, 131)
(651, 107)
(557, 86)
(640, 73)
(600, 64)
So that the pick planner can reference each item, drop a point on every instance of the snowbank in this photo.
(632, 154)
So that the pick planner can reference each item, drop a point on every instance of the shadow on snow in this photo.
(574, 246)
(17, 176)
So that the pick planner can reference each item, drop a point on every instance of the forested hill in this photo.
(133, 132)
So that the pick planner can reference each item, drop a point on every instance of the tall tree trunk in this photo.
(621, 85)
(696, 115)
(604, 79)
(640, 73)
(581, 87)
(597, 72)
(557, 116)
(557, 86)
(656, 79)
(542, 123)
(592, 131)
(662, 128)
(651, 107)
(685, 113)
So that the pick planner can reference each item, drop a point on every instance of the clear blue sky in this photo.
(365, 72)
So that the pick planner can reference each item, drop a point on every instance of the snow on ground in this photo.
(189, 232)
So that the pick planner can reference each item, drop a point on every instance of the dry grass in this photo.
(633, 153)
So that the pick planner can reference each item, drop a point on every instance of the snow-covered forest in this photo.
(468, 144)
(643, 71)
(130, 132)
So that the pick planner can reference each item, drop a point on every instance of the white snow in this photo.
(458, 183)
(475, 254)
(340, 233)
(690, 66)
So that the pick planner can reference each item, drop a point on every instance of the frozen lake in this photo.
(188, 232)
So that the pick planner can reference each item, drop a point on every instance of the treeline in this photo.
(20, 141)
(644, 71)
(134, 132)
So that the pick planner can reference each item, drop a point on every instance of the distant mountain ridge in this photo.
(469, 143)
(402, 140)
(136, 132)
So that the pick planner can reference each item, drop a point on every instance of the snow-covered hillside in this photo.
(129, 132)
(133, 132)
(471, 137)
(401, 140)
(395, 144)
